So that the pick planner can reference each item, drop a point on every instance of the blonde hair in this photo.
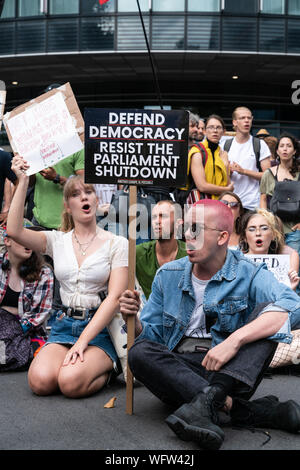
(240, 108)
(67, 220)
(275, 225)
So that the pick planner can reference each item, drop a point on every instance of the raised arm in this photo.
(30, 239)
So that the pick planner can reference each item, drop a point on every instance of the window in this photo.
(241, 6)
(31, 36)
(93, 7)
(272, 6)
(63, 34)
(30, 8)
(204, 5)
(203, 32)
(168, 32)
(9, 9)
(131, 5)
(294, 7)
(130, 32)
(168, 5)
(97, 33)
(65, 7)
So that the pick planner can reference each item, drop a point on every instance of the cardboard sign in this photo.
(47, 129)
(279, 265)
(136, 147)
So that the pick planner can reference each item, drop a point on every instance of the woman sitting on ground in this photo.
(261, 234)
(89, 263)
(26, 291)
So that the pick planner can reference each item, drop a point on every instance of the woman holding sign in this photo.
(91, 267)
(261, 234)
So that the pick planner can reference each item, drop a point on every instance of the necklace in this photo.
(83, 251)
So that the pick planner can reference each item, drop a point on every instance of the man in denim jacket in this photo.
(209, 331)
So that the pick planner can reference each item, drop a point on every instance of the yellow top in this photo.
(215, 171)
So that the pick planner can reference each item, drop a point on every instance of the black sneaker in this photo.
(197, 421)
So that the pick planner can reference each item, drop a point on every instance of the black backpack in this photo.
(285, 202)
(256, 148)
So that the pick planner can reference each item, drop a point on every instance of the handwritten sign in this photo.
(46, 130)
(279, 265)
(136, 147)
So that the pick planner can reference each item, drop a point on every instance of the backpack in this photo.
(15, 346)
(181, 195)
(256, 147)
(285, 202)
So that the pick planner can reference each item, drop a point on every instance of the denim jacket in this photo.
(230, 297)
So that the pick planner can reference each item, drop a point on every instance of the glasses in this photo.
(263, 228)
(214, 128)
(230, 204)
(196, 229)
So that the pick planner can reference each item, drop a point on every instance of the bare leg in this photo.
(46, 374)
(85, 378)
(44, 369)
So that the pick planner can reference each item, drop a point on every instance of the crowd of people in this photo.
(208, 319)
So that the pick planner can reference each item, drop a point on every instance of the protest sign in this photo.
(136, 147)
(279, 265)
(47, 129)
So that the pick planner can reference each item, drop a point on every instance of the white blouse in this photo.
(80, 286)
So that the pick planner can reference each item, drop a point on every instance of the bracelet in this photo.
(56, 179)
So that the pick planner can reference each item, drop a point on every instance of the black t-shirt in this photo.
(5, 172)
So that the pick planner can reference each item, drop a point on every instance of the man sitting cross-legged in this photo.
(208, 333)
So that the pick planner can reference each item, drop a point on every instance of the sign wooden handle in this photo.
(131, 285)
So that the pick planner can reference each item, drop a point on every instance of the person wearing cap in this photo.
(262, 133)
(208, 332)
(48, 186)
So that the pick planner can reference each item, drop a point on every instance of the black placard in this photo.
(136, 147)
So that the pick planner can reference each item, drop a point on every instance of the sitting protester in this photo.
(26, 290)
(90, 265)
(261, 235)
(208, 332)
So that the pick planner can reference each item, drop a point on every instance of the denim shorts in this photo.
(66, 330)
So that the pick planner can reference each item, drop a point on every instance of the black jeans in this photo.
(176, 378)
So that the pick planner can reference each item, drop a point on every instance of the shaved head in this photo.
(222, 215)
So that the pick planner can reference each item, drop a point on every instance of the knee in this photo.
(70, 383)
(41, 382)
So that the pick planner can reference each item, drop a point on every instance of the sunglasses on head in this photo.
(230, 204)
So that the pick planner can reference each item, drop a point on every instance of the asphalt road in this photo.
(57, 423)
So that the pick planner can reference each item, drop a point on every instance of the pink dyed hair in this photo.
(224, 217)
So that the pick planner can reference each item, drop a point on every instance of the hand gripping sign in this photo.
(136, 148)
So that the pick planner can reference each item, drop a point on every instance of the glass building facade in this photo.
(210, 55)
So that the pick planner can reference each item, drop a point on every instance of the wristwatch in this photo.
(56, 179)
